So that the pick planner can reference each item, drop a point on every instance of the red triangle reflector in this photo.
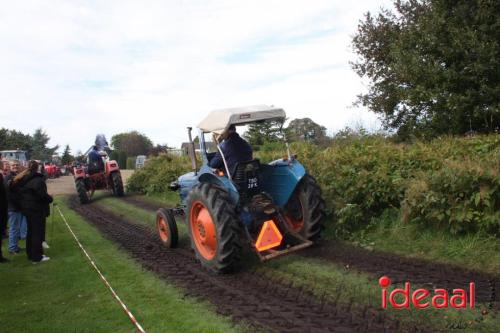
(269, 236)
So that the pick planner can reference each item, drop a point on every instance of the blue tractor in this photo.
(273, 208)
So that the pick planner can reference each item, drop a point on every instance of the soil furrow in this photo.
(398, 268)
(246, 295)
(147, 205)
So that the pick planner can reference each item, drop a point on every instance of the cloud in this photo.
(78, 68)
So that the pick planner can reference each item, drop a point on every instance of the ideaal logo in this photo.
(422, 298)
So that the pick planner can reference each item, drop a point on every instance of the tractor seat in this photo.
(246, 178)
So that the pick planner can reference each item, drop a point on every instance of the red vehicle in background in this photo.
(52, 170)
(108, 179)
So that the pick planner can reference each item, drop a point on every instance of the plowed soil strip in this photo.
(398, 268)
(144, 204)
(246, 295)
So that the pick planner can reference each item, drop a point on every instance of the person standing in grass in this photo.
(34, 201)
(3, 211)
(17, 221)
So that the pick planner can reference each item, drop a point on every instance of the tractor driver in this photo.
(234, 148)
(95, 163)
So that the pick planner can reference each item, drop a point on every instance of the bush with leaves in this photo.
(448, 183)
(157, 174)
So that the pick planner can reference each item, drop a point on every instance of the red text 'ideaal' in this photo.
(422, 298)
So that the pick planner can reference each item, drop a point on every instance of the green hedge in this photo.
(449, 183)
(131, 162)
(120, 157)
(158, 173)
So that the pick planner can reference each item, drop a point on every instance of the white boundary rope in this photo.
(115, 295)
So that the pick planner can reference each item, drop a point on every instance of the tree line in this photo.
(36, 144)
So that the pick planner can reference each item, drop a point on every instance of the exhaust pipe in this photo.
(192, 153)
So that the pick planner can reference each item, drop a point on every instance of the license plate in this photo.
(253, 183)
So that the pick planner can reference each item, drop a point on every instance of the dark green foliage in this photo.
(304, 129)
(39, 146)
(12, 139)
(120, 157)
(260, 133)
(158, 149)
(114, 155)
(451, 183)
(132, 143)
(433, 66)
(35, 145)
(158, 173)
(131, 163)
(67, 158)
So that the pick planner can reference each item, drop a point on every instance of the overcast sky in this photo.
(78, 68)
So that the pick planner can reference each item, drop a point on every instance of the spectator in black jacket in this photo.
(34, 202)
(3, 211)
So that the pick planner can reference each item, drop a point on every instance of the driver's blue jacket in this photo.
(235, 149)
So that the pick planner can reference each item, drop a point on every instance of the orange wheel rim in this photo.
(163, 229)
(294, 222)
(203, 230)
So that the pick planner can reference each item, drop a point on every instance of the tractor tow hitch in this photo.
(271, 243)
(277, 253)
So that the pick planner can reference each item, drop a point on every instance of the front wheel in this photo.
(305, 210)
(83, 195)
(214, 227)
(167, 228)
(116, 178)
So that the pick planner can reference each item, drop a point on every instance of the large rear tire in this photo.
(82, 191)
(214, 227)
(305, 210)
(116, 178)
(167, 228)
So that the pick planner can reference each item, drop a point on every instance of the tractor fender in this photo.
(280, 178)
(111, 166)
(79, 173)
(223, 182)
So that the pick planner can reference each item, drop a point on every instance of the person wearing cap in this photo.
(234, 148)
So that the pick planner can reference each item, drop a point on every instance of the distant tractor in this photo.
(60, 169)
(275, 208)
(52, 170)
(107, 179)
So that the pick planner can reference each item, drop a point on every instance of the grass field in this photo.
(66, 294)
(475, 251)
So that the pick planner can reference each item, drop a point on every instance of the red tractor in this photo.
(108, 179)
(52, 170)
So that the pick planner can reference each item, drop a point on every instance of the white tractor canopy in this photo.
(218, 121)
